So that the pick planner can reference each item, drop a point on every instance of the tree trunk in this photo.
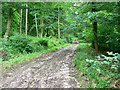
(58, 24)
(8, 23)
(41, 22)
(47, 32)
(94, 24)
(95, 35)
(118, 18)
(26, 24)
(36, 25)
(0, 21)
(20, 21)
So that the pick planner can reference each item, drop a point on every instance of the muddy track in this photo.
(50, 70)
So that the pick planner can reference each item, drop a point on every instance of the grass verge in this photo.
(26, 57)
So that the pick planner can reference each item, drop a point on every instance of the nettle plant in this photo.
(111, 62)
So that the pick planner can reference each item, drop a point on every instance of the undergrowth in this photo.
(101, 71)
(20, 48)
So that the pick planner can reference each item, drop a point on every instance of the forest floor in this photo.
(50, 70)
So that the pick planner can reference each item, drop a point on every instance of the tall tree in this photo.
(8, 22)
(20, 21)
(58, 24)
(26, 23)
(94, 24)
(36, 24)
(41, 23)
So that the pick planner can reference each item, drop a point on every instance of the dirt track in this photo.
(51, 70)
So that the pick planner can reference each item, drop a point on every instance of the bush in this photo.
(81, 41)
(43, 42)
(69, 39)
(109, 40)
(105, 69)
(29, 44)
(54, 42)
(39, 43)
(22, 44)
(101, 71)
(18, 44)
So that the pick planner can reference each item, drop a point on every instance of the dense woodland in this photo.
(30, 27)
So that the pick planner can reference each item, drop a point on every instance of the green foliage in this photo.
(39, 42)
(54, 42)
(75, 21)
(81, 41)
(11, 62)
(101, 70)
(107, 18)
(88, 35)
(17, 44)
(22, 44)
(110, 62)
(47, 42)
(111, 39)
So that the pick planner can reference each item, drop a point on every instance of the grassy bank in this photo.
(96, 71)
(20, 48)
(25, 57)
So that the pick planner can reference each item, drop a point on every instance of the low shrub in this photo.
(40, 41)
(81, 41)
(19, 44)
(55, 42)
(22, 44)
(101, 71)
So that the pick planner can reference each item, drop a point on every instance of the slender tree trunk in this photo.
(41, 22)
(58, 24)
(36, 25)
(8, 23)
(94, 24)
(20, 21)
(26, 24)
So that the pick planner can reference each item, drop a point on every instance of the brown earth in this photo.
(50, 70)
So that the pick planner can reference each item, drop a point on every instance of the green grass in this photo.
(97, 74)
(25, 57)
